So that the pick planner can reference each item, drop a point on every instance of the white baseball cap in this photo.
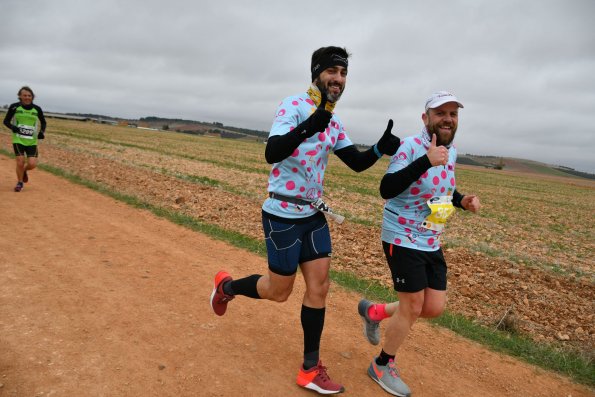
(440, 98)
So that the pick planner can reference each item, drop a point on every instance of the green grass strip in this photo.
(570, 363)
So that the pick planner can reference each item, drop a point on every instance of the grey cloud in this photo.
(523, 69)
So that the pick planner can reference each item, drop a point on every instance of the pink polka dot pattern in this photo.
(290, 185)
(284, 204)
(443, 174)
(415, 191)
(276, 172)
(436, 180)
(281, 113)
(310, 102)
(402, 220)
(431, 241)
(295, 153)
(452, 181)
(398, 241)
(295, 103)
(341, 136)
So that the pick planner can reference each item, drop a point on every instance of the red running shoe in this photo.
(317, 379)
(219, 299)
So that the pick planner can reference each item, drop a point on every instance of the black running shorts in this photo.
(21, 150)
(414, 270)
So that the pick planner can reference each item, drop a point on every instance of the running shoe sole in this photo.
(220, 307)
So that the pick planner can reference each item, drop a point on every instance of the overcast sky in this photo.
(525, 70)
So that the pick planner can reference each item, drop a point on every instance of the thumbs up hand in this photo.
(438, 155)
(318, 121)
(388, 143)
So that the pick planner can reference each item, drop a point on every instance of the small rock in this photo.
(161, 367)
(180, 200)
(562, 336)
(346, 355)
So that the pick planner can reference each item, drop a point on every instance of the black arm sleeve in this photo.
(457, 198)
(41, 118)
(395, 183)
(356, 160)
(279, 147)
(9, 116)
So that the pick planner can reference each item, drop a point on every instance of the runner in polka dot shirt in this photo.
(405, 213)
(423, 169)
(301, 175)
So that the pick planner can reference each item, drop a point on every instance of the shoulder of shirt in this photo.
(295, 97)
(410, 140)
(14, 105)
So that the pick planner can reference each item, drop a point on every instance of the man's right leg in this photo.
(20, 170)
(20, 167)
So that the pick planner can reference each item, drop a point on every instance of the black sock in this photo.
(244, 286)
(383, 358)
(312, 324)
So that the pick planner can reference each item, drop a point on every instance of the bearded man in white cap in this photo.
(420, 192)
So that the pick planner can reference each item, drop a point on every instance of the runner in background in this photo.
(304, 133)
(27, 124)
(420, 192)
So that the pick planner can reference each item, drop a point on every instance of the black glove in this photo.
(388, 143)
(40, 135)
(317, 122)
(15, 129)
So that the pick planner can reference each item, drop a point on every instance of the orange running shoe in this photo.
(219, 298)
(317, 379)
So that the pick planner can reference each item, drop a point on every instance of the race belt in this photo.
(318, 204)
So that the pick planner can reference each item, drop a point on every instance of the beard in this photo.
(442, 139)
(324, 88)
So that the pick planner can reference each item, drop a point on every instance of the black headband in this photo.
(326, 61)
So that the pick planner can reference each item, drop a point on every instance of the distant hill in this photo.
(192, 126)
(521, 165)
(230, 132)
(92, 116)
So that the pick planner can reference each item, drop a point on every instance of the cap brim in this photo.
(442, 102)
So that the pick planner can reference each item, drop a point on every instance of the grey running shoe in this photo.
(387, 376)
(371, 327)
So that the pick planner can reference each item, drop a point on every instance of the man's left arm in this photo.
(40, 116)
(466, 202)
(360, 161)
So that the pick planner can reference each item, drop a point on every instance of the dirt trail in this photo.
(100, 299)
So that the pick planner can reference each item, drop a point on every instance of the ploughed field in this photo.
(528, 254)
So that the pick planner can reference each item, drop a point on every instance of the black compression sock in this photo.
(244, 286)
(312, 324)
(383, 358)
(311, 359)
